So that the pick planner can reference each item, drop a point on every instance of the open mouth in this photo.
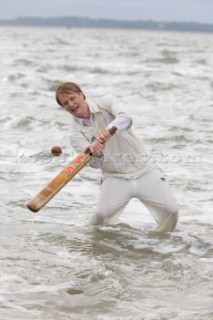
(73, 110)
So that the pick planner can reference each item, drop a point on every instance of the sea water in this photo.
(53, 265)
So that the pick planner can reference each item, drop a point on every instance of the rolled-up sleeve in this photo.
(122, 122)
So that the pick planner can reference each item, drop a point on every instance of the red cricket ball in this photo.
(56, 151)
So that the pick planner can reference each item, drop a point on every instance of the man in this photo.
(126, 173)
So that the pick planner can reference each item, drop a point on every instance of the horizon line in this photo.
(108, 19)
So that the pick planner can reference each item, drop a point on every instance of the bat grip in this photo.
(112, 130)
(87, 151)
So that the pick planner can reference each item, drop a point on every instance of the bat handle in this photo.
(112, 130)
(87, 151)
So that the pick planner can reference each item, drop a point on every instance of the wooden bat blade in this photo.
(55, 185)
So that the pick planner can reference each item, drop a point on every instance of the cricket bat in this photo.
(55, 185)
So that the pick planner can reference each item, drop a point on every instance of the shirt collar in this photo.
(93, 108)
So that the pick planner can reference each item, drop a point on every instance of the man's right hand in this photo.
(97, 148)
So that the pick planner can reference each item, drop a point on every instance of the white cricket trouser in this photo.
(151, 189)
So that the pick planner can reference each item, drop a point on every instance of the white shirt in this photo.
(121, 122)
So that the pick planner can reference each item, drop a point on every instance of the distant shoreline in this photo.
(77, 22)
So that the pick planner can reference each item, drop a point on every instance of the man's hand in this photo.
(97, 148)
(99, 144)
(103, 136)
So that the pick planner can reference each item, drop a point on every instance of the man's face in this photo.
(75, 104)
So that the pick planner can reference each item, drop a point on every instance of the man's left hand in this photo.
(103, 136)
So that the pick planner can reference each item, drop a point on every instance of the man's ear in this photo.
(82, 95)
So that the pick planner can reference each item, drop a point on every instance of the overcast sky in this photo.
(161, 10)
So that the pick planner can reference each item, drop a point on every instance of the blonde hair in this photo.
(67, 87)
